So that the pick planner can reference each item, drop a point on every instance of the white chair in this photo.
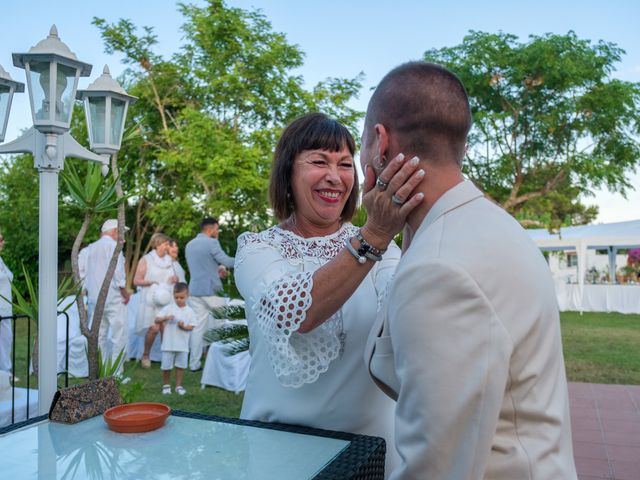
(20, 412)
(78, 364)
(225, 371)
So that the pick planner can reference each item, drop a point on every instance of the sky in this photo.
(340, 38)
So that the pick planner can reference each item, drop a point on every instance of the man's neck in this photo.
(437, 181)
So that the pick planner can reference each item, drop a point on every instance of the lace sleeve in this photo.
(296, 358)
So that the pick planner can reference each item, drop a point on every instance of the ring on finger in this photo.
(382, 185)
(395, 199)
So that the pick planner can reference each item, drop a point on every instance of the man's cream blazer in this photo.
(468, 342)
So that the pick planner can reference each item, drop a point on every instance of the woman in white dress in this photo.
(6, 310)
(155, 277)
(174, 250)
(312, 283)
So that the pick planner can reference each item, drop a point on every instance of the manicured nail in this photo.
(420, 196)
(420, 173)
(400, 158)
(414, 161)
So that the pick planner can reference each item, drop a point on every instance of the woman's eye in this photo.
(346, 165)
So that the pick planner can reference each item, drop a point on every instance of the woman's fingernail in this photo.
(400, 157)
(414, 161)
(420, 173)
(420, 196)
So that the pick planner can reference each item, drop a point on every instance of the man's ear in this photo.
(382, 140)
(381, 148)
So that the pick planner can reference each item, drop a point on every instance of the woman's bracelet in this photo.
(363, 251)
(366, 247)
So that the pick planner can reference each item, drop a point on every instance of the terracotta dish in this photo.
(137, 417)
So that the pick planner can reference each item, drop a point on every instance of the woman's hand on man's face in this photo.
(388, 199)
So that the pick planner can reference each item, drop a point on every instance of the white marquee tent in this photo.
(606, 236)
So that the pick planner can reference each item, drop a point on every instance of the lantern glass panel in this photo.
(65, 86)
(117, 120)
(97, 115)
(5, 93)
(39, 73)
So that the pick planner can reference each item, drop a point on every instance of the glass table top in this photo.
(185, 448)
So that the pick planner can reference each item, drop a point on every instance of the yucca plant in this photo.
(94, 194)
(109, 368)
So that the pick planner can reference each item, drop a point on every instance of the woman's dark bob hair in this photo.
(313, 131)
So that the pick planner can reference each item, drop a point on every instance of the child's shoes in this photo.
(180, 390)
(166, 390)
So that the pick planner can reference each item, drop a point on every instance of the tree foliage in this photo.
(550, 122)
(202, 133)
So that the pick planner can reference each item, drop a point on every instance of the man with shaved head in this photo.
(468, 338)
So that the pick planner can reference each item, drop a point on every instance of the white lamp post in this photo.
(8, 87)
(105, 104)
(52, 78)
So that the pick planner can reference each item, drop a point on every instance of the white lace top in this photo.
(305, 378)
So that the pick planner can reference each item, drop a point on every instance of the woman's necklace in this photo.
(294, 226)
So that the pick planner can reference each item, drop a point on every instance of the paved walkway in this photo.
(605, 420)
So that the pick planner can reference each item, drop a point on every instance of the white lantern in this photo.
(52, 80)
(8, 87)
(106, 104)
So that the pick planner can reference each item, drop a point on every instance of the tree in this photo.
(550, 122)
(94, 195)
(206, 122)
(19, 219)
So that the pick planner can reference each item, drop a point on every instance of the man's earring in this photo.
(377, 164)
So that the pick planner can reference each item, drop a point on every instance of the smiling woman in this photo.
(310, 303)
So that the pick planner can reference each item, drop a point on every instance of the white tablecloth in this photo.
(599, 298)
(20, 413)
(221, 370)
(78, 364)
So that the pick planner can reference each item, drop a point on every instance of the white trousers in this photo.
(6, 339)
(114, 320)
(202, 307)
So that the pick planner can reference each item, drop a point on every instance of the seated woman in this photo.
(311, 284)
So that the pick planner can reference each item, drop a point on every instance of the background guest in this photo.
(95, 262)
(207, 262)
(155, 277)
(174, 250)
(6, 310)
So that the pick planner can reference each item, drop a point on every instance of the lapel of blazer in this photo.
(459, 195)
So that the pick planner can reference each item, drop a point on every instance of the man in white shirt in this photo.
(97, 258)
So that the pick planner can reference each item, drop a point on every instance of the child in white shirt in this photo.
(178, 319)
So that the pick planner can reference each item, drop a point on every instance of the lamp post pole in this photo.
(52, 79)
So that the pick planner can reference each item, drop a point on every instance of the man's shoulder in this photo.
(200, 242)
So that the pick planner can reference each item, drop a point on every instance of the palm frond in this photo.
(28, 304)
(92, 192)
(235, 336)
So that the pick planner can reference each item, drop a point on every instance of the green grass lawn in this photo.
(598, 347)
(601, 347)
(211, 400)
